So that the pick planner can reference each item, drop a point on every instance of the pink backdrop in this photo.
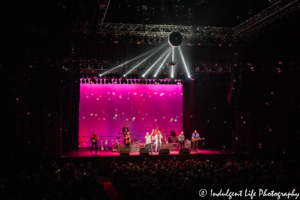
(105, 108)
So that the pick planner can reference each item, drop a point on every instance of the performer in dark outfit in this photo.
(94, 139)
(124, 131)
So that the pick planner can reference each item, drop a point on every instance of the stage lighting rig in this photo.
(175, 39)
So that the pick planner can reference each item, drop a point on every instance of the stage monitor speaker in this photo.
(184, 151)
(124, 152)
(164, 152)
(144, 152)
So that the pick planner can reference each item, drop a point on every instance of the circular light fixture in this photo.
(175, 39)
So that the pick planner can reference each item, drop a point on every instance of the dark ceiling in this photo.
(184, 12)
(51, 15)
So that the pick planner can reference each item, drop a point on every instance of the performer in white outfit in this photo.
(158, 137)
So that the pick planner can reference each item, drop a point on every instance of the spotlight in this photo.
(175, 39)
(171, 63)
(172, 71)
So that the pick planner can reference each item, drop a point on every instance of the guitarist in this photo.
(94, 139)
(127, 140)
(125, 130)
(195, 137)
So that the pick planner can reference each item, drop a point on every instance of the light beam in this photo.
(183, 60)
(155, 62)
(144, 60)
(146, 53)
(162, 64)
(172, 70)
(173, 50)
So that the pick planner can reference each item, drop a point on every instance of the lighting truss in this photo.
(103, 10)
(272, 13)
(183, 60)
(162, 31)
(162, 64)
(144, 60)
(275, 11)
(155, 62)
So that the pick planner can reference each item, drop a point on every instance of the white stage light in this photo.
(183, 60)
(162, 64)
(144, 54)
(155, 63)
(173, 50)
(144, 60)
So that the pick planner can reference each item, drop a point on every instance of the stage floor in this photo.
(86, 153)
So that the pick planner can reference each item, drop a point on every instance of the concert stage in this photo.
(106, 108)
(86, 153)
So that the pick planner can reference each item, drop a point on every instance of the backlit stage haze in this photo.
(105, 108)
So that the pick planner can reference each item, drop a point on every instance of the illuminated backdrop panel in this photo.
(105, 108)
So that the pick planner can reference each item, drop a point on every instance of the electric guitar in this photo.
(193, 139)
(94, 140)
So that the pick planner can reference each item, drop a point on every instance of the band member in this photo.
(153, 137)
(148, 142)
(173, 134)
(181, 139)
(94, 139)
(127, 140)
(124, 131)
(156, 130)
(158, 137)
(196, 137)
